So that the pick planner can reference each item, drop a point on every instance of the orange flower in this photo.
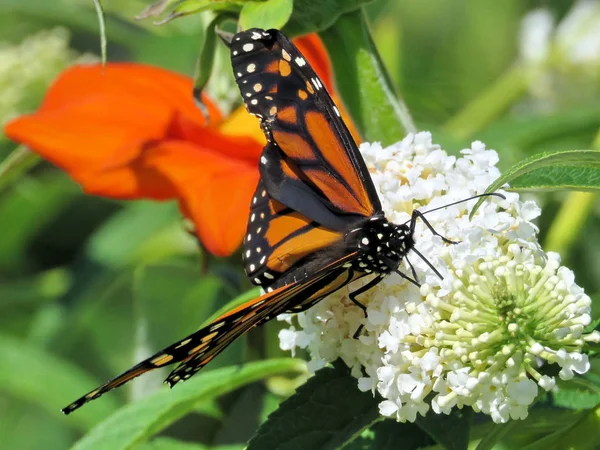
(132, 131)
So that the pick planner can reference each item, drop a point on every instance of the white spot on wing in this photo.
(248, 47)
(251, 68)
(217, 326)
(300, 61)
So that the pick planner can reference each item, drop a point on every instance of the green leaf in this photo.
(363, 82)
(317, 15)
(119, 240)
(170, 444)
(519, 434)
(181, 8)
(163, 443)
(596, 321)
(155, 9)
(138, 421)
(386, 434)
(582, 434)
(578, 393)
(242, 416)
(573, 159)
(46, 381)
(559, 178)
(158, 287)
(206, 59)
(324, 413)
(266, 14)
(495, 434)
(450, 431)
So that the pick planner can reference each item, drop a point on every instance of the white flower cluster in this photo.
(563, 58)
(479, 336)
(27, 69)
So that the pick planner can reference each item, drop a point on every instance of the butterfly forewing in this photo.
(199, 348)
(311, 163)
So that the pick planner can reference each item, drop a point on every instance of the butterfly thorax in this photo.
(381, 245)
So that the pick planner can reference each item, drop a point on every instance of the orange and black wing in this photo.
(311, 163)
(280, 240)
(199, 348)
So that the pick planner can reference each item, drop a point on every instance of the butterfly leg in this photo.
(371, 284)
(416, 214)
(415, 279)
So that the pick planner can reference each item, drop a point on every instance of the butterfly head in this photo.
(381, 245)
(401, 240)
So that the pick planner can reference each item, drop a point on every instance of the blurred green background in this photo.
(89, 286)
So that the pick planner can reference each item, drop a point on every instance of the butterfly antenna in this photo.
(491, 194)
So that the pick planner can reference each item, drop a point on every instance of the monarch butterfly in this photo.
(315, 223)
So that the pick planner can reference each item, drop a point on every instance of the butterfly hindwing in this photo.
(279, 238)
(310, 147)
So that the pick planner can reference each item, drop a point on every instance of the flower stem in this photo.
(16, 164)
(490, 104)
